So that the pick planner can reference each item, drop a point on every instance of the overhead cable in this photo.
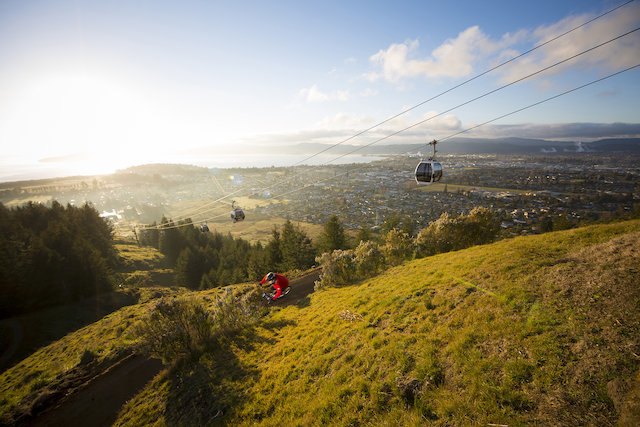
(204, 210)
(463, 83)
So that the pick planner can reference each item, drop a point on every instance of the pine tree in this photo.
(274, 253)
(189, 268)
(364, 235)
(333, 236)
(296, 248)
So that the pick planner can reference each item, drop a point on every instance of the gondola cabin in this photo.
(237, 215)
(428, 172)
(204, 228)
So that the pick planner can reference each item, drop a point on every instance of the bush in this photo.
(338, 268)
(398, 247)
(369, 259)
(342, 267)
(234, 310)
(177, 328)
(447, 233)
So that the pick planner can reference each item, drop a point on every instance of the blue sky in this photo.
(99, 85)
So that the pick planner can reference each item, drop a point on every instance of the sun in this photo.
(84, 116)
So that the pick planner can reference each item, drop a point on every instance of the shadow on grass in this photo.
(276, 324)
(304, 302)
(199, 391)
(203, 390)
(43, 327)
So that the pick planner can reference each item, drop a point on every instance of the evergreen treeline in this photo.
(204, 260)
(52, 255)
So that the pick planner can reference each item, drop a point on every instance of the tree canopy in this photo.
(51, 255)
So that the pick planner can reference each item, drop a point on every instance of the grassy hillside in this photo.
(141, 266)
(541, 329)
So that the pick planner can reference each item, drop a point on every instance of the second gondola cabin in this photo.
(237, 214)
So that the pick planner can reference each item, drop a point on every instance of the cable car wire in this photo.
(463, 83)
(428, 100)
(204, 211)
(541, 102)
(483, 95)
(496, 118)
(166, 227)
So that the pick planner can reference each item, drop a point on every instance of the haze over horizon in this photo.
(99, 86)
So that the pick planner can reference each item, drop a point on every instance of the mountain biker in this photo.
(277, 281)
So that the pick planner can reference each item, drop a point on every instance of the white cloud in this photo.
(344, 121)
(368, 92)
(313, 94)
(430, 122)
(559, 131)
(446, 122)
(454, 58)
(612, 56)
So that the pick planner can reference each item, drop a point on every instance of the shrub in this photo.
(235, 310)
(368, 258)
(447, 233)
(338, 268)
(179, 327)
(176, 328)
(398, 246)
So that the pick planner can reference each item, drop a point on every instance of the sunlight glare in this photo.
(79, 117)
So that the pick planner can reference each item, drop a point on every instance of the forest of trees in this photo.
(52, 255)
(204, 260)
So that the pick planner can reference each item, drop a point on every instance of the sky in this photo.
(88, 87)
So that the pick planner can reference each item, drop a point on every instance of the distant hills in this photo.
(492, 146)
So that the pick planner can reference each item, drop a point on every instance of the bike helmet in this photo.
(271, 277)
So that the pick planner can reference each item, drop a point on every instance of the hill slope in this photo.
(541, 329)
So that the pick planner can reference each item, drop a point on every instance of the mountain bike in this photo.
(269, 296)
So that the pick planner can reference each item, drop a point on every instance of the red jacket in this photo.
(281, 283)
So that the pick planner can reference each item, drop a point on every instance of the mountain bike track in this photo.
(98, 402)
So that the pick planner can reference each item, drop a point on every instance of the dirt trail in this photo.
(301, 287)
(98, 403)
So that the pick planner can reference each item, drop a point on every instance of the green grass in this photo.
(532, 330)
(259, 228)
(136, 257)
(518, 332)
(104, 342)
(142, 266)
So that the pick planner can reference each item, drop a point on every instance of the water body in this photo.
(20, 171)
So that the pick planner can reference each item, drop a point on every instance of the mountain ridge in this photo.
(512, 145)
